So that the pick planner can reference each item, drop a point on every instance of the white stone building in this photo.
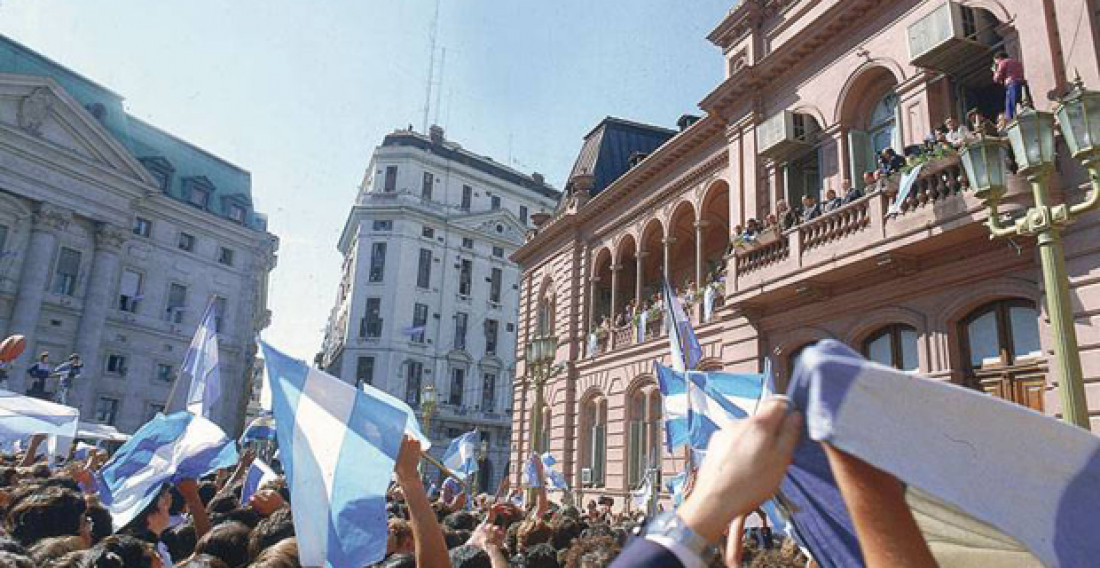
(428, 294)
(114, 235)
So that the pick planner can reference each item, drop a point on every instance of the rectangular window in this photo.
(152, 410)
(377, 262)
(467, 197)
(494, 285)
(467, 243)
(498, 252)
(372, 322)
(465, 277)
(106, 410)
(116, 364)
(412, 383)
(161, 177)
(523, 214)
(177, 302)
(458, 384)
(142, 227)
(489, 393)
(420, 321)
(220, 307)
(364, 371)
(391, 179)
(199, 197)
(424, 269)
(129, 291)
(165, 372)
(427, 186)
(491, 329)
(427, 232)
(494, 202)
(382, 225)
(461, 321)
(186, 242)
(225, 256)
(236, 213)
(68, 270)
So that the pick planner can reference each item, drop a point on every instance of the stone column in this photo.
(638, 277)
(34, 277)
(98, 298)
(667, 248)
(593, 285)
(615, 268)
(699, 226)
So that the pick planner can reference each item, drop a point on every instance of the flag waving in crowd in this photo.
(461, 455)
(200, 365)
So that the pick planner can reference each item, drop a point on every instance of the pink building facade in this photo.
(813, 89)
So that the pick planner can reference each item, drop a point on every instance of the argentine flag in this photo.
(461, 455)
(686, 351)
(990, 483)
(165, 450)
(262, 428)
(258, 474)
(675, 404)
(338, 446)
(22, 416)
(200, 365)
(697, 404)
(554, 479)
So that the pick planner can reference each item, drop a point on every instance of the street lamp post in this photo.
(427, 409)
(1031, 136)
(540, 355)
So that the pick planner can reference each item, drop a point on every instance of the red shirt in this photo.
(1008, 71)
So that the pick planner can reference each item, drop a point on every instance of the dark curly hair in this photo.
(49, 511)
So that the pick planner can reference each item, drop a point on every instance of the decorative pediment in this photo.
(499, 223)
(38, 107)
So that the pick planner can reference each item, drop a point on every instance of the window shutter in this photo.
(860, 158)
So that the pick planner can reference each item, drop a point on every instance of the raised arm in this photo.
(189, 489)
(887, 532)
(431, 549)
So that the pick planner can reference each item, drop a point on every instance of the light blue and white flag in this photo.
(718, 400)
(686, 351)
(708, 303)
(554, 478)
(639, 497)
(643, 319)
(675, 406)
(338, 447)
(905, 187)
(675, 486)
(258, 474)
(531, 473)
(261, 429)
(23, 416)
(200, 365)
(990, 483)
(165, 450)
(461, 455)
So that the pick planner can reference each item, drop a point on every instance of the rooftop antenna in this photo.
(431, 66)
(439, 90)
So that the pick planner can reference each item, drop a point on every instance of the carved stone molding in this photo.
(34, 109)
(52, 218)
(110, 237)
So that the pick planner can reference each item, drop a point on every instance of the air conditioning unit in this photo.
(947, 38)
(586, 476)
(785, 133)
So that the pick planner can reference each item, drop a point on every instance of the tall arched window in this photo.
(643, 434)
(894, 346)
(594, 440)
(1002, 353)
(883, 123)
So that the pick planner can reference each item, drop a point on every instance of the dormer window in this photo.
(161, 170)
(197, 191)
(236, 207)
(236, 213)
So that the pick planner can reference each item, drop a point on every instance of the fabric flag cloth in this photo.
(23, 416)
(554, 478)
(708, 303)
(718, 400)
(461, 455)
(905, 187)
(258, 474)
(593, 345)
(167, 449)
(261, 429)
(675, 486)
(686, 351)
(338, 446)
(200, 365)
(639, 497)
(531, 473)
(675, 406)
(643, 319)
(990, 483)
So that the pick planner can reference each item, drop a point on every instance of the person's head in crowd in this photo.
(180, 540)
(12, 560)
(153, 520)
(55, 547)
(228, 541)
(283, 554)
(455, 538)
(469, 556)
(244, 515)
(532, 532)
(201, 561)
(808, 202)
(207, 491)
(541, 556)
(771, 220)
(8, 544)
(566, 529)
(830, 194)
(74, 559)
(950, 124)
(399, 561)
(460, 520)
(222, 503)
(275, 528)
(592, 552)
(100, 519)
(781, 206)
(399, 537)
(267, 501)
(122, 551)
(47, 512)
(178, 504)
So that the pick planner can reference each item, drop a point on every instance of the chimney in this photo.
(435, 132)
(686, 121)
(537, 177)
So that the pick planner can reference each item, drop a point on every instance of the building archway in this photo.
(600, 292)
(714, 215)
(651, 250)
(627, 280)
(681, 248)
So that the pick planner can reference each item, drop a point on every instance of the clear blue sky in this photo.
(299, 93)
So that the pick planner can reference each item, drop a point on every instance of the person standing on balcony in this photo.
(67, 372)
(956, 133)
(40, 371)
(810, 209)
(851, 192)
(1009, 73)
(832, 201)
(787, 216)
(890, 162)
